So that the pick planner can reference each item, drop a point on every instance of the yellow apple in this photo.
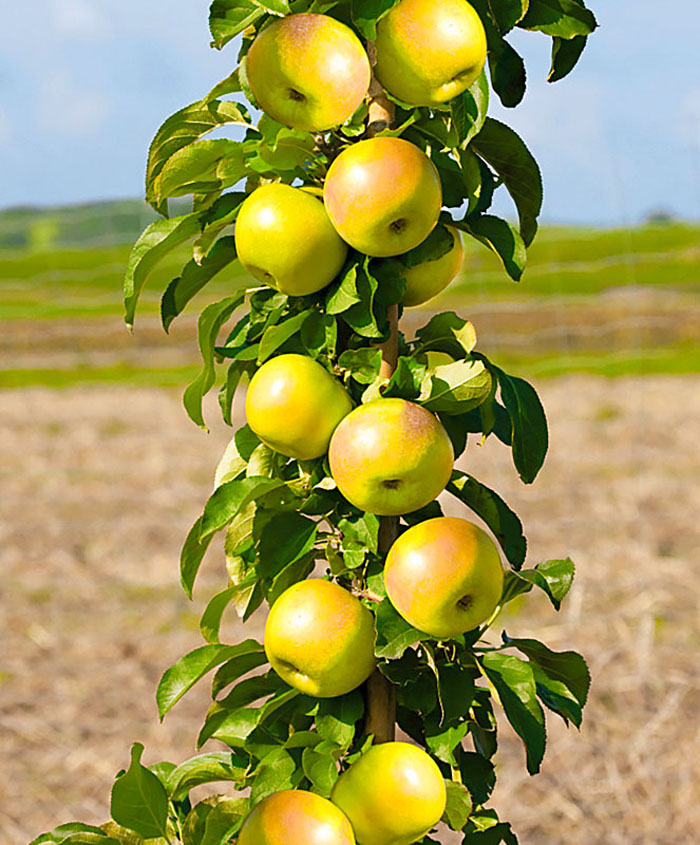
(429, 278)
(383, 196)
(308, 71)
(294, 404)
(444, 576)
(429, 51)
(319, 638)
(285, 239)
(295, 817)
(393, 795)
(390, 457)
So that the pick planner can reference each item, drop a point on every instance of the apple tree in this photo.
(363, 164)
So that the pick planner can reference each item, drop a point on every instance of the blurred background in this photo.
(101, 473)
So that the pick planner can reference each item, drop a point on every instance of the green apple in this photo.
(383, 195)
(295, 817)
(428, 278)
(444, 576)
(390, 457)
(393, 795)
(294, 404)
(319, 638)
(308, 71)
(429, 51)
(285, 239)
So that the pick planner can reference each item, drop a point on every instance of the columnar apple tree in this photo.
(368, 163)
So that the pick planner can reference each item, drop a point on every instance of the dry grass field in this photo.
(99, 485)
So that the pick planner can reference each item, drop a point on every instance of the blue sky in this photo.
(85, 83)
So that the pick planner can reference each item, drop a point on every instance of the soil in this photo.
(100, 485)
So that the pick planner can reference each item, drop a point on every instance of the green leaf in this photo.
(507, 71)
(505, 151)
(201, 167)
(442, 741)
(74, 832)
(194, 277)
(478, 775)
(277, 771)
(214, 220)
(514, 682)
(343, 294)
(504, 524)
(185, 673)
(366, 14)
(438, 243)
(337, 718)
(276, 335)
(459, 805)
(139, 801)
(287, 537)
(183, 128)
(320, 768)
(319, 334)
(567, 667)
(565, 55)
(363, 364)
(448, 332)
(469, 109)
(155, 242)
(228, 388)
(235, 667)
(456, 388)
(214, 820)
(360, 531)
(210, 623)
(500, 237)
(214, 767)
(231, 498)
(484, 828)
(563, 18)
(530, 436)
(229, 17)
(192, 555)
(394, 634)
(554, 577)
(504, 14)
(240, 723)
(209, 325)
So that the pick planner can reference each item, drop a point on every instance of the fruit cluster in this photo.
(356, 174)
(383, 197)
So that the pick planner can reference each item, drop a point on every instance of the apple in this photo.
(383, 195)
(285, 239)
(429, 51)
(294, 404)
(444, 576)
(308, 71)
(390, 457)
(393, 795)
(296, 817)
(319, 638)
(429, 278)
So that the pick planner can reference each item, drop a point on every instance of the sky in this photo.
(84, 84)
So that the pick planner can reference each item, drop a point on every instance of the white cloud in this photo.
(78, 19)
(65, 107)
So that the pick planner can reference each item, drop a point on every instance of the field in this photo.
(100, 480)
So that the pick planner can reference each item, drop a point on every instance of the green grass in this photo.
(120, 374)
(54, 281)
